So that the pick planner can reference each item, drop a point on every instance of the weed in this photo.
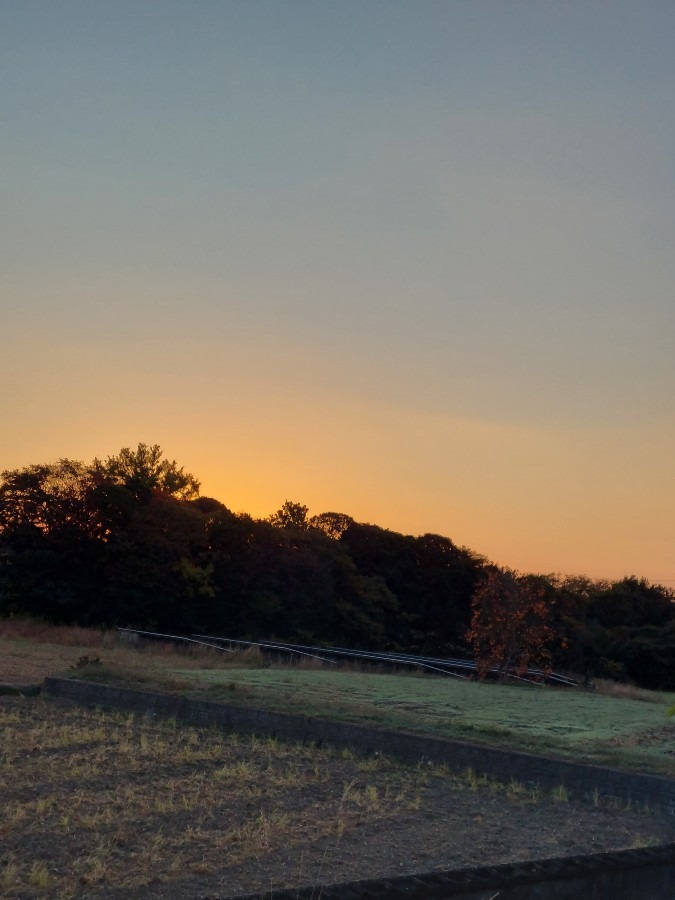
(515, 789)
(241, 769)
(43, 805)
(494, 787)
(626, 691)
(9, 874)
(202, 867)
(15, 813)
(560, 794)
(376, 762)
(415, 802)
(471, 778)
(643, 841)
(347, 790)
(163, 804)
(372, 797)
(39, 875)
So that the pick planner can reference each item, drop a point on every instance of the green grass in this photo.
(572, 723)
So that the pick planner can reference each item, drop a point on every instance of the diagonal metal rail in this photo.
(454, 668)
(447, 666)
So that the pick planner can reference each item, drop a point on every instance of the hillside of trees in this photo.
(129, 541)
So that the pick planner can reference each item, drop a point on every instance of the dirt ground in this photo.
(107, 805)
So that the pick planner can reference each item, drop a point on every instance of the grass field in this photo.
(629, 730)
(620, 730)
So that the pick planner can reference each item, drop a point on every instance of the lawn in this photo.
(574, 723)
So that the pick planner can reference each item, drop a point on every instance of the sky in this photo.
(409, 261)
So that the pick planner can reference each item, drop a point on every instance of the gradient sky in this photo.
(411, 261)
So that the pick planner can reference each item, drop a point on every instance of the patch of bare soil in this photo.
(105, 805)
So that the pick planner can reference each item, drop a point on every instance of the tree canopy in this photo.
(129, 541)
(143, 471)
(511, 625)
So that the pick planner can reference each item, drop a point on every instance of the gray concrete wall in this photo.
(626, 875)
(580, 781)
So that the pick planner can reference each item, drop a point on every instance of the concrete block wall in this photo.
(624, 875)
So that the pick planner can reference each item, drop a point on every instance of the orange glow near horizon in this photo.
(579, 526)
(582, 499)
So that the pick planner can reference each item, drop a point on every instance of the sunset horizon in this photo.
(400, 517)
(412, 263)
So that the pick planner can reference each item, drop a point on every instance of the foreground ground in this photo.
(111, 805)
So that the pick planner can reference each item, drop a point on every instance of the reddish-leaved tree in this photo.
(511, 624)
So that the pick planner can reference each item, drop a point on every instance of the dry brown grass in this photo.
(91, 800)
(624, 691)
(31, 650)
(64, 635)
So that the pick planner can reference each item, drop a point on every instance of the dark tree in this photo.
(109, 543)
(48, 497)
(431, 579)
(128, 541)
(291, 515)
(332, 524)
(144, 472)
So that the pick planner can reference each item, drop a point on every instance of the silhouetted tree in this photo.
(332, 524)
(431, 579)
(48, 497)
(143, 471)
(291, 515)
(129, 541)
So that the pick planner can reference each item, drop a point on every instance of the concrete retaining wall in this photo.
(625, 875)
(581, 781)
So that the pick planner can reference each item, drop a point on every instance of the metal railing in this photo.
(452, 667)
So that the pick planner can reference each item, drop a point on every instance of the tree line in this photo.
(129, 541)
